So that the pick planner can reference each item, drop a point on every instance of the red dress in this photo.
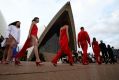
(83, 38)
(63, 38)
(96, 50)
(34, 32)
(64, 48)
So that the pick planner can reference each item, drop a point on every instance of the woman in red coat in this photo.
(96, 50)
(32, 40)
(64, 47)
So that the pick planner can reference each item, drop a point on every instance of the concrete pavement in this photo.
(28, 71)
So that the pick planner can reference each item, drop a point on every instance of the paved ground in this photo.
(28, 71)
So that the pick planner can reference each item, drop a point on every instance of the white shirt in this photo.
(14, 31)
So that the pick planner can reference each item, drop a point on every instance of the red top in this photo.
(95, 47)
(34, 30)
(63, 37)
(83, 37)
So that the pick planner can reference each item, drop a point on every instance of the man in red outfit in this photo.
(83, 41)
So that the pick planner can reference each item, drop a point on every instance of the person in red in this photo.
(32, 40)
(83, 41)
(64, 46)
(96, 50)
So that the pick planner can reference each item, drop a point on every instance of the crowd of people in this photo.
(102, 53)
(12, 39)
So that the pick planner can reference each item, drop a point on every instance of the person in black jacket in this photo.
(111, 55)
(104, 51)
(1, 47)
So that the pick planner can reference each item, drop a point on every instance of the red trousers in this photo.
(84, 46)
(23, 50)
(62, 50)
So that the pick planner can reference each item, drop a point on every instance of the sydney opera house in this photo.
(48, 41)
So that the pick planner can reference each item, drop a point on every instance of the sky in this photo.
(99, 17)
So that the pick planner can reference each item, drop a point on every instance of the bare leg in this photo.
(10, 49)
(9, 55)
(36, 54)
(35, 44)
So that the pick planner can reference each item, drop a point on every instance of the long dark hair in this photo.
(35, 18)
(14, 23)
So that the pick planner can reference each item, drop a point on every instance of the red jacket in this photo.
(83, 37)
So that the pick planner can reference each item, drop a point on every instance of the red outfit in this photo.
(64, 47)
(34, 32)
(83, 38)
(96, 50)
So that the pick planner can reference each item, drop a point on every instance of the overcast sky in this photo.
(99, 17)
